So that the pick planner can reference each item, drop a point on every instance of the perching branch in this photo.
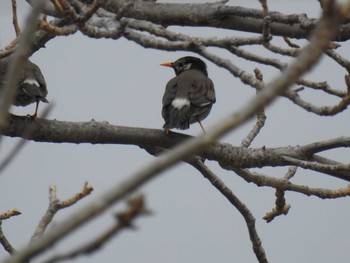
(226, 155)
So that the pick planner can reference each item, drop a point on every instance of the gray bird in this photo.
(31, 86)
(188, 97)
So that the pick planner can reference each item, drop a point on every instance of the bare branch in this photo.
(321, 86)
(290, 43)
(15, 18)
(55, 205)
(124, 220)
(3, 240)
(238, 204)
(5, 243)
(227, 155)
(339, 59)
(261, 118)
(281, 207)
(322, 110)
(285, 185)
(220, 16)
(10, 213)
(57, 31)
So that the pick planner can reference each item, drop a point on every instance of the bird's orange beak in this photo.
(167, 64)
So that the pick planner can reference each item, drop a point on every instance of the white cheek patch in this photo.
(31, 82)
(179, 103)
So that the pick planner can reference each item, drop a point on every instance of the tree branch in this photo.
(124, 220)
(55, 205)
(5, 243)
(226, 155)
(219, 15)
(238, 204)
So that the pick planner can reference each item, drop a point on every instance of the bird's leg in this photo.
(36, 110)
(167, 131)
(201, 126)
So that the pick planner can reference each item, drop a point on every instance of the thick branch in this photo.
(219, 15)
(226, 155)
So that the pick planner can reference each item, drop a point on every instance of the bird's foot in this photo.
(167, 131)
(33, 117)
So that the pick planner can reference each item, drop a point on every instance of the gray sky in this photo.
(122, 83)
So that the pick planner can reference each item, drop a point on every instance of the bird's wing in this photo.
(32, 77)
(170, 92)
(201, 92)
(36, 73)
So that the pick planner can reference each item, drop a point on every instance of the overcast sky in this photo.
(122, 83)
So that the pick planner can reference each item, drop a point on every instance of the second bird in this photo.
(31, 86)
(189, 96)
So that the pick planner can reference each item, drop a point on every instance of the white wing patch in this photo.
(205, 104)
(31, 82)
(179, 103)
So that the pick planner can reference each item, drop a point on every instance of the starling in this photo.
(31, 85)
(189, 96)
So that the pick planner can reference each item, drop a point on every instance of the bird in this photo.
(31, 85)
(189, 96)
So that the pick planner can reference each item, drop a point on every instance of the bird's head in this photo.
(185, 63)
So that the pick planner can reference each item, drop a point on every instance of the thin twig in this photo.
(57, 31)
(15, 18)
(124, 220)
(5, 243)
(263, 180)
(261, 118)
(290, 43)
(92, 10)
(266, 32)
(10, 213)
(3, 240)
(236, 202)
(319, 110)
(281, 207)
(55, 205)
